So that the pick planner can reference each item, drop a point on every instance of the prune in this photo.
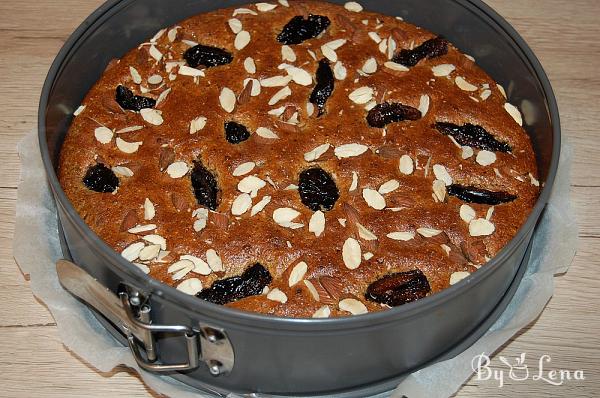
(323, 87)
(430, 49)
(472, 135)
(127, 100)
(205, 186)
(317, 189)
(390, 112)
(100, 178)
(201, 55)
(235, 132)
(251, 283)
(399, 288)
(472, 194)
(299, 29)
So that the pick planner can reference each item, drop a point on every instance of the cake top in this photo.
(300, 159)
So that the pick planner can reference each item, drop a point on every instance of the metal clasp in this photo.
(132, 316)
(144, 324)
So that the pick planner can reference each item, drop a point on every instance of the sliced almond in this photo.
(214, 260)
(316, 153)
(439, 190)
(241, 204)
(395, 66)
(353, 306)
(389, 186)
(458, 276)
(127, 147)
(281, 94)
(467, 213)
(277, 295)
(132, 252)
(350, 150)
(353, 6)
(143, 267)
(481, 227)
(78, 111)
(443, 70)
(177, 169)
(155, 80)
(242, 39)
(339, 71)
(370, 66)
(276, 81)
(406, 165)
(149, 210)
(191, 286)
(441, 173)
(200, 266)
(464, 85)
(185, 70)
(135, 75)
(258, 207)
(485, 158)
(254, 86)
(373, 198)
(265, 7)
(243, 169)
(122, 171)
(227, 99)
(240, 11)
(316, 224)
(235, 25)
(424, 104)
(149, 252)
(375, 37)
(249, 65)
(514, 112)
(284, 217)
(138, 229)
(299, 76)
(251, 185)
(403, 236)
(287, 53)
(354, 183)
(266, 133)
(364, 233)
(197, 124)
(297, 273)
(361, 95)
(311, 288)
(323, 312)
(180, 269)
(485, 94)
(351, 253)
(156, 240)
(103, 134)
(467, 152)
(151, 116)
(428, 232)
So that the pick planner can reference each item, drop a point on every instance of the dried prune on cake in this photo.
(317, 189)
(399, 288)
(251, 283)
(473, 136)
(390, 112)
(299, 29)
(429, 49)
(323, 87)
(205, 186)
(201, 55)
(236, 132)
(472, 194)
(100, 178)
(127, 100)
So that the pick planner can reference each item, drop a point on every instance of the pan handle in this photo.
(208, 344)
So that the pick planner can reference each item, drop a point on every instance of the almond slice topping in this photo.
(373, 198)
(297, 273)
(191, 286)
(316, 224)
(351, 253)
(353, 306)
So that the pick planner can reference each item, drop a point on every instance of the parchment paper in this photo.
(36, 249)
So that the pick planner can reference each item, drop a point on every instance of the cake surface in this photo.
(300, 159)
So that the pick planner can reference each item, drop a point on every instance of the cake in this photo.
(300, 159)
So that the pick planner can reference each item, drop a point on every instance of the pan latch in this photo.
(131, 315)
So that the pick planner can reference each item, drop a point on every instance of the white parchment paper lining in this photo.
(36, 248)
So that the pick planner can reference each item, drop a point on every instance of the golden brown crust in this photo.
(244, 240)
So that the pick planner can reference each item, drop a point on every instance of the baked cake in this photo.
(300, 159)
